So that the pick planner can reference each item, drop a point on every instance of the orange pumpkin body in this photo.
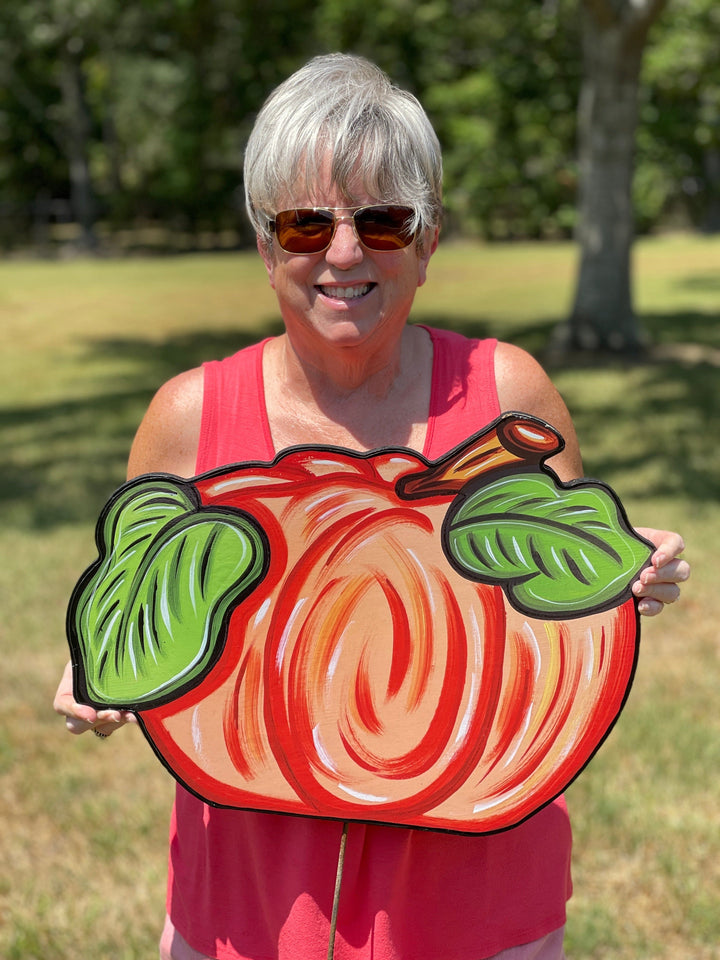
(364, 678)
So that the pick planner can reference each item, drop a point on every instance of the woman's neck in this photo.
(351, 398)
(345, 372)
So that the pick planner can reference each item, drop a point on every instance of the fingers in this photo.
(650, 608)
(675, 570)
(668, 545)
(657, 587)
(661, 582)
(108, 721)
(658, 584)
(653, 598)
(80, 717)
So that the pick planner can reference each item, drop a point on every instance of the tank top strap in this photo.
(464, 395)
(235, 426)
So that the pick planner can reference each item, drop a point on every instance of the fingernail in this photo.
(109, 716)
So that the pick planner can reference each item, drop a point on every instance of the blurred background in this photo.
(124, 116)
(582, 187)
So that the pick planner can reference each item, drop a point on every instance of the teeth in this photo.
(345, 293)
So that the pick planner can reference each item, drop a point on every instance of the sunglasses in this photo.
(311, 229)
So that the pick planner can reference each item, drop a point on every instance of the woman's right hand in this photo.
(79, 717)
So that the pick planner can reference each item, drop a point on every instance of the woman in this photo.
(350, 371)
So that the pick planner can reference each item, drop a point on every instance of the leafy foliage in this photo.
(164, 93)
(679, 138)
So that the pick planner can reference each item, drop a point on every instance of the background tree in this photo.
(115, 114)
(614, 34)
(500, 82)
(678, 161)
(46, 51)
(135, 111)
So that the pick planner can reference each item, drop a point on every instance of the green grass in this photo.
(83, 824)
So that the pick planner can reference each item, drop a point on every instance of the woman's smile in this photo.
(345, 292)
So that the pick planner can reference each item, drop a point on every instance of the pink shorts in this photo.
(174, 947)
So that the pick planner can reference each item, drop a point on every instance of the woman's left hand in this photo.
(658, 583)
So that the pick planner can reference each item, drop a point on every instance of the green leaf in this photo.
(557, 551)
(148, 619)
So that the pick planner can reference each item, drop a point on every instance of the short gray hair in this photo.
(345, 106)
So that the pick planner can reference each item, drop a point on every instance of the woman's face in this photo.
(347, 295)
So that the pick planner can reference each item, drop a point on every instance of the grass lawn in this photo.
(83, 825)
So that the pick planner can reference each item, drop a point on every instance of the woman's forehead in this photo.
(320, 186)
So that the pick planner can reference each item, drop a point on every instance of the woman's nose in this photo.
(345, 248)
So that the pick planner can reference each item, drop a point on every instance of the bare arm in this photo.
(167, 438)
(523, 385)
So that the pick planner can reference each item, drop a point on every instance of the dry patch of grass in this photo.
(83, 824)
(646, 817)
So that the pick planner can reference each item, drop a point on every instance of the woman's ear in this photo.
(428, 248)
(265, 250)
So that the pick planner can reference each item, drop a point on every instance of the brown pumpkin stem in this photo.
(512, 439)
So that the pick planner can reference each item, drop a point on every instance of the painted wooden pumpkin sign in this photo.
(368, 636)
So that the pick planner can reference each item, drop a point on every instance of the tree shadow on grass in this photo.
(669, 423)
(670, 418)
(63, 460)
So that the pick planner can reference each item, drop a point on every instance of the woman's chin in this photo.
(345, 330)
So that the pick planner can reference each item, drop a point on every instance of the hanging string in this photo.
(336, 895)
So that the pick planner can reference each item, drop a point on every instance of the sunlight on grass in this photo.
(84, 823)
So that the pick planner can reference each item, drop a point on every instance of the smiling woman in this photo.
(343, 180)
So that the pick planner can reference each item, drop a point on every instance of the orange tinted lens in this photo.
(379, 227)
(385, 227)
(304, 231)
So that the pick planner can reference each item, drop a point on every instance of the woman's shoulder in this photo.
(167, 438)
(519, 374)
(524, 386)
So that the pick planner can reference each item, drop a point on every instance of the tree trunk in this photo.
(613, 36)
(77, 149)
(711, 165)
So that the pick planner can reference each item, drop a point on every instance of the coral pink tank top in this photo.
(259, 886)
